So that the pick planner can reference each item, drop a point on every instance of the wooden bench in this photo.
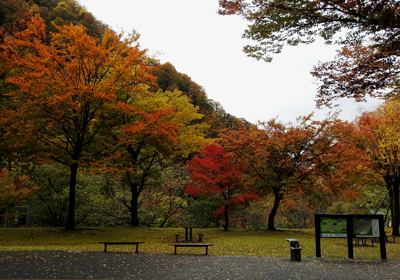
(390, 236)
(363, 241)
(191, 245)
(122, 243)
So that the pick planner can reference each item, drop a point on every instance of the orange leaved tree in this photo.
(378, 135)
(141, 145)
(215, 172)
(292, 159)
(67, 92)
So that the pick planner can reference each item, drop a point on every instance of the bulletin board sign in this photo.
(349, 226)
(333, 227)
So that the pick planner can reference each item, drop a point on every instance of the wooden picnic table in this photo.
(188, 233)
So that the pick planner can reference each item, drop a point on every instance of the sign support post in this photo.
(349, 222)
(318, 235)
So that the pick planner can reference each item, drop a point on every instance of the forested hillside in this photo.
(57, 11)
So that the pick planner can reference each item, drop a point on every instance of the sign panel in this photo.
(365, 227)
(333, 227)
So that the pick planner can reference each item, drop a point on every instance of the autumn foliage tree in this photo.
(215, 172)
(278, 22)
(369, 32)
(67, 92)
(13, 190)
(144, 143)
(358, 71)
(292, 160)
(378, 135)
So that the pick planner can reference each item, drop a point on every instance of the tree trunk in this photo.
(271, 218)
(396, 209)
(72, 190)
(226, 227)
(162, 224)
(134, 205)
(393, 185)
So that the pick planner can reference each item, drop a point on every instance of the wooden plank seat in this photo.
(191, 245)
(122, 243)
(390, 236)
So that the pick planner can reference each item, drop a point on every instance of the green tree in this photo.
(14, 190)
(50, 207)
(164, 199)
(200, 210)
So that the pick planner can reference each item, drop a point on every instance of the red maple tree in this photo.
(217, 173)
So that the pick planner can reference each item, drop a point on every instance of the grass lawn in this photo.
(233, 242)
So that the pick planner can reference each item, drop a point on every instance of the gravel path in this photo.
(96, 265)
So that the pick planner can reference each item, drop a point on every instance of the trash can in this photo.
(295, 249)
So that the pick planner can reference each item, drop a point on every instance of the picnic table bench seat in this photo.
(206, 245)
(200, 236)
(121, 243)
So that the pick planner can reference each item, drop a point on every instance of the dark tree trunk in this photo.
(134, 205)
(226, 227)
(393, 185)
(162, 224)
(271, 218)
(72, 191)
(396, 210)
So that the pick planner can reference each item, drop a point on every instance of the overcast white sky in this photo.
(208, 47)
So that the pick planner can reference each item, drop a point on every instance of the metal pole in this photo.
(318, 235)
